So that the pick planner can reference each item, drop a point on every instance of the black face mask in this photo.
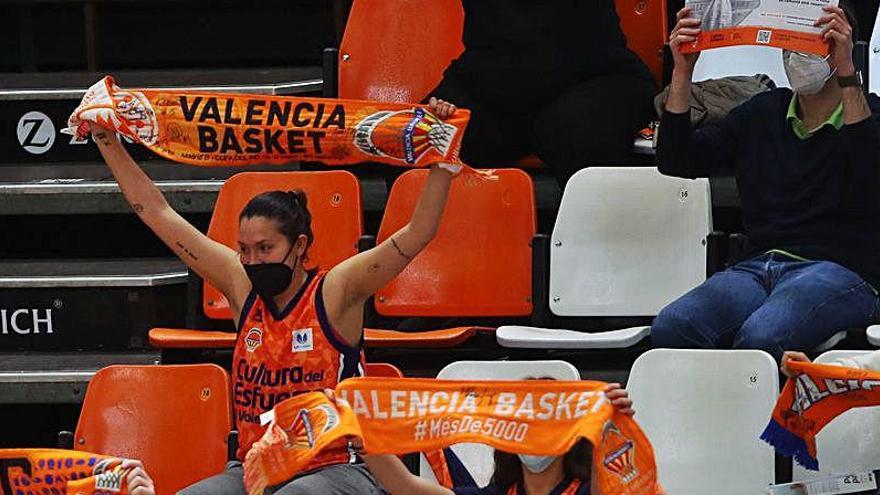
(270, 279)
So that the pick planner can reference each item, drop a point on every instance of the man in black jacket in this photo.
(807, 166)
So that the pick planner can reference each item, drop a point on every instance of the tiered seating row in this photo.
(688, 402)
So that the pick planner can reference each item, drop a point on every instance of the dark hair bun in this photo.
(299, 196)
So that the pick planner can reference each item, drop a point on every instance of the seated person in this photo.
(515, 474)
(807, 166)
(289, 317)
(551, 78)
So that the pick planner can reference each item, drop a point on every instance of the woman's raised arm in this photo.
(216, 263)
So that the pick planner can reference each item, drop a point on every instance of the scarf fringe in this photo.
(787, 443)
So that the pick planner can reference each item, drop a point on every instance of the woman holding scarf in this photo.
(299, 330)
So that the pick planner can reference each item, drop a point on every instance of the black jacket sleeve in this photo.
(710, 150)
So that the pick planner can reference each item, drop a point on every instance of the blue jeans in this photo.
(772, 302)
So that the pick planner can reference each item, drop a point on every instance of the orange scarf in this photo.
(215, 129)
(399, 416)
(38, 471)
(811, 400)
(571, 489)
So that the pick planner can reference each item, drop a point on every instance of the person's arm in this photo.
(681, 150)
(837, 31)
(860, 130)
(397, 480)
(359, 277)
(216, 263)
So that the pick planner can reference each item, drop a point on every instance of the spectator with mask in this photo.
(807, 166)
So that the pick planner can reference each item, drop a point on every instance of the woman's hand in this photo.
(619, 398)
(792, 356)
(103, 136)
(685, 31)
(138, 481)
(441, 108)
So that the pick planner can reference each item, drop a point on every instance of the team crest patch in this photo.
(253, 339)
(301, 340)
(620, 453)
(404, 135)
(317, 421)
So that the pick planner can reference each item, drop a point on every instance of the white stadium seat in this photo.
(874, 335)
(551, 338)
(478, 457)
(627, 241)
(850, 443)
(704, 411)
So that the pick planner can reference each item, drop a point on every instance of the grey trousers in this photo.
(341, 479)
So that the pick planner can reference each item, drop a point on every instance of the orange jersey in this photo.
(282, 353)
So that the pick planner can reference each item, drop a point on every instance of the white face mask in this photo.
(536, 463)
(806, 73)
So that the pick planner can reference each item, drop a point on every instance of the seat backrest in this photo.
(743, 60)
(479, 264)
(704, 412)
(334, 200)
(397, 50)
(644, 24)
(382, 370)
(174, 418)
(476, 457)
(627, 241)
(850, 443)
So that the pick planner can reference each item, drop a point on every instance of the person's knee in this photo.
(764, 336)
(564, 138)
(673, 327)
(229, 482)
(311, 484)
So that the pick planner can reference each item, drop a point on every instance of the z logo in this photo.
(35, 131)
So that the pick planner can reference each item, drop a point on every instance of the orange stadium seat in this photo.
(397, 50)
(383, 370)
(179, 338)
(483, 244)
(645, 25)
(175, 419)
(334, 200)
(478, 265)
